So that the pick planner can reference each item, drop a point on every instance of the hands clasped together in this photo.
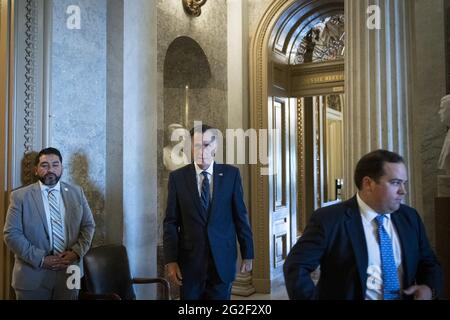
(60, 261)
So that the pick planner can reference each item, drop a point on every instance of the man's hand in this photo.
(421, 292)
(174, 273)
(53, 263)
(247, 265)
(68, 257)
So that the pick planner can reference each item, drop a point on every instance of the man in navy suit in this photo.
(204, 216)
(369, 247)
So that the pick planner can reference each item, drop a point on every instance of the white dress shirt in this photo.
(374, 280)
(200, 178)
(62, 211)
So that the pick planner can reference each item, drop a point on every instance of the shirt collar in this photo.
(210, 169)
(367, 212)
(45, 188)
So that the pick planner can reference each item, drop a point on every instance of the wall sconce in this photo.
(193, 7)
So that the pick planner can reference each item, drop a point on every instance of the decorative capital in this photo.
(193, 7)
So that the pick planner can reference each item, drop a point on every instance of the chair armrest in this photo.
(148, 280)
(96, 296)
(161, 281)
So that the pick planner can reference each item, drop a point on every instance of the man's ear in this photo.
(367, 183)
(214, 150)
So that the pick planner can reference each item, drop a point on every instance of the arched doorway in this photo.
(315, 69)
(280, 92)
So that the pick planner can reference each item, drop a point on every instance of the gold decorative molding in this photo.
(318, 149)
(6, 142)
(318, 67)
(312, 80)
(262, 82)
(30, 75)
(317, 79)
(193, 7)
(301, 189)
(31, 30)
(259, 184)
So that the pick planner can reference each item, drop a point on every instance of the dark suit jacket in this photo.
(334, 238)
(189, 232)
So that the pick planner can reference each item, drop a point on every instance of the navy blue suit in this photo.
(334, 238)
(195, 238)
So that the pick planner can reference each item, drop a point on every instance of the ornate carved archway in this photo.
(267, 41)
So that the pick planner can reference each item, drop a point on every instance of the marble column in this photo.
(378, 83)
(238, 101)
(139, 141)
(114, 123)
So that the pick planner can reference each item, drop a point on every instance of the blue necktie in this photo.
(205, 191)
(391, 285)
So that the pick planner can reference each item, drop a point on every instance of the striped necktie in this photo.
(56, 221)
(391, 285)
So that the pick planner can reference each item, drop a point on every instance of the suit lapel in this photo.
(217, 186)
(37, 197)
(401, 226)
(68, 207)
(355, 231)
(191, 182)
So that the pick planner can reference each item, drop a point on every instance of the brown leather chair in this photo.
(107, 275)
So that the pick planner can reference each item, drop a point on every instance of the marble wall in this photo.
(103, 118)
(187, 75)
(78, 100)
(256, 10)
(200, 45)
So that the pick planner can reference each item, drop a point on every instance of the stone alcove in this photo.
(187, 80)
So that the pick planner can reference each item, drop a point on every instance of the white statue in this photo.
(444, 112)
(174, 156)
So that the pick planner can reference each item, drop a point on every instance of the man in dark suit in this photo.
(49, 227)
(369, 247)
(205, 213)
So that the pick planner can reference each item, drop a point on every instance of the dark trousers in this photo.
(210, 287)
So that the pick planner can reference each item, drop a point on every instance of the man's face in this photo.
(49, 169)
(204, 148)
(387, 194)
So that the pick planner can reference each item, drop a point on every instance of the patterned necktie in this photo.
(205, 191)
(391, 285)
(57, 226)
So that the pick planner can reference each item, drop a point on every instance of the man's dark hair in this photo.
(371, 165)
(203, 128)
(47, 151)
